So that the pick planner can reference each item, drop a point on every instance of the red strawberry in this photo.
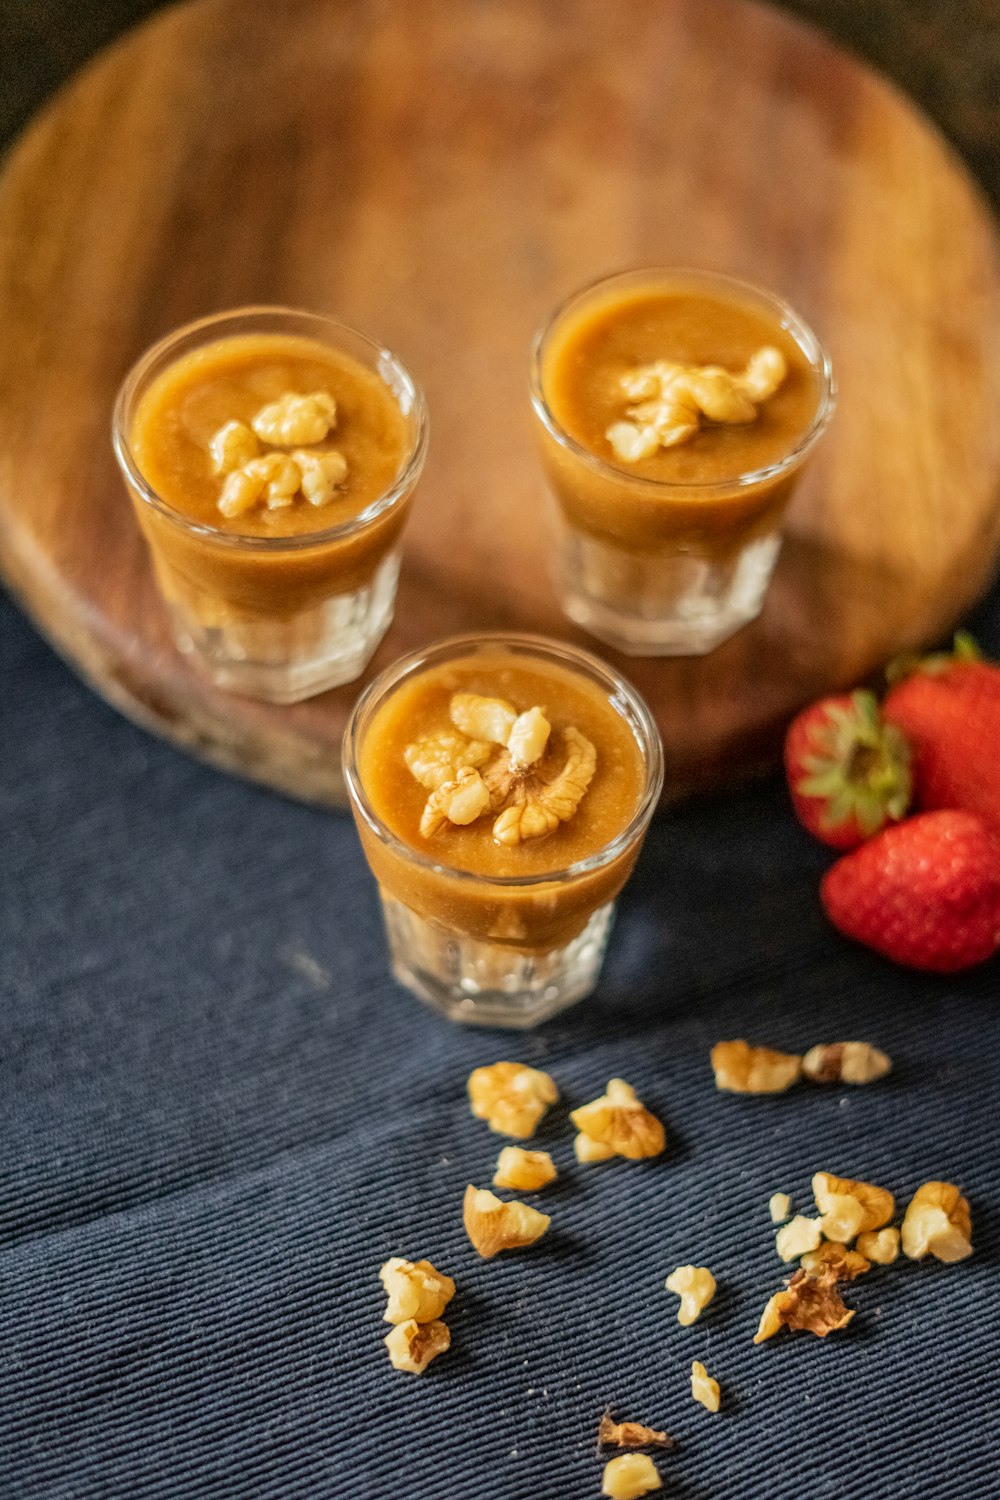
(848, 772)
(949, 709)
(925, 893)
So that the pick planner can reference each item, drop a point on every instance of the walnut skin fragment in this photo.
(809, 1303)
(611, 1434)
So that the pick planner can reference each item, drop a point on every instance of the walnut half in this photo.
(493, 1225)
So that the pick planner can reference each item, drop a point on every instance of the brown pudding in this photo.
(421, 737)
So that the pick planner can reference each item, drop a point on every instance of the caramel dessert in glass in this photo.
(674, 410)
(271, 456)
(502, 786)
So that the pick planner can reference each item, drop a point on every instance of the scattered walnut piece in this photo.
(743, 1069)
(797, 1237)
(631, 1475)
(232, 446)
(695, 1285)
(811, 1303)
(937, 1222)
(415, 1289)
(779, 1206)
(523, 1171)
(703, 1388)
(460, 802)
(493, 1225)
(845, 1062)
(880, 1245)
(846, 1264)
(849, 1207)
(295, 419)
(587, 1151)
(511, 1097)
(620, 1120)
(413, 1345)
(611, 1434)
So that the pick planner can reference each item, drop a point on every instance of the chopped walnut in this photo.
(241, 491)
(481, 718)
(322, 474)
(493, 1225)
(845, 1062)
(511, 1097)
(232, 446)
(846, 1264)
(534, 807)
(779, 1206)
(293, 419)
(588, 1151)
(440, 757)
(413, 1345)
(703, 1388)
(620, 1120)
(743, 1069)
(811, 1303)
(528, 738)
(695, 1285)
(415, 1290)
(669, 401)
(937, 1222)
(523, 1171)
(849, 1207)
(611, 1434)
(879, 1245)
(628, 1477)
(797, 1237)
(461, 802)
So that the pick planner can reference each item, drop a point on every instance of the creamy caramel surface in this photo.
(232, 379)
(420, 707)
(621, 330)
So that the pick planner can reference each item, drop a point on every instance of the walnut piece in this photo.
(413, 1345)
(322, 474)
(461, 802)
(669, 401)
(620, 1120)
(779, 1206)
(511, 1097)
(845, 1062)
(294, 419)
(703, 1388)
(493, 1225)
(534, 807)
(797, 1237)
(523, 1171)
(811, 1303)
(528, 738)
(611, 1434)
(440, 757)
(845, 1264)
(742, 1069)
(481, 718)
(880, 1246)
(937, 1222)
(631, 1475)
(695, 1285)
(415, 1290)
(232, 446)
(849, 1207)
(588, 1151)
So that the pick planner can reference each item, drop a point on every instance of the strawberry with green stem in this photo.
(848, 771)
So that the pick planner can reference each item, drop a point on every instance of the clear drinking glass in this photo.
(507, 950)
(276, 617)
(656, 568)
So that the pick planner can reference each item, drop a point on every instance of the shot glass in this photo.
(655, 566)
(281, 616)
(503, 949)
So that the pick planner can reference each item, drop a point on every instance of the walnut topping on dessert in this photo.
(413, 1345)
(811, 1303)
(670, 400)
(619, 1120)
(493, 1225)
(511, 1097)
(293, 419)
(276, 478)
(742, 1069)
(611, 1434)
(499, 763)
(233, 446)
(937, 1222)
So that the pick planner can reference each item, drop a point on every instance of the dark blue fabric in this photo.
(219, 1116)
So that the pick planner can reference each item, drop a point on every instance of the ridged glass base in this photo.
(487, 984)
(684, 605)
(285, 660)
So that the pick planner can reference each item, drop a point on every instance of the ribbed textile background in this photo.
(219, 1116)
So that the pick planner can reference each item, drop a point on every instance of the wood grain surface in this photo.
(439, 174)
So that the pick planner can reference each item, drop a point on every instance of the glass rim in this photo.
(807, 340)
(566, 655)
(162, 347)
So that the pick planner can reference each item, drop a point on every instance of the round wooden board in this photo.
(440, 174)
